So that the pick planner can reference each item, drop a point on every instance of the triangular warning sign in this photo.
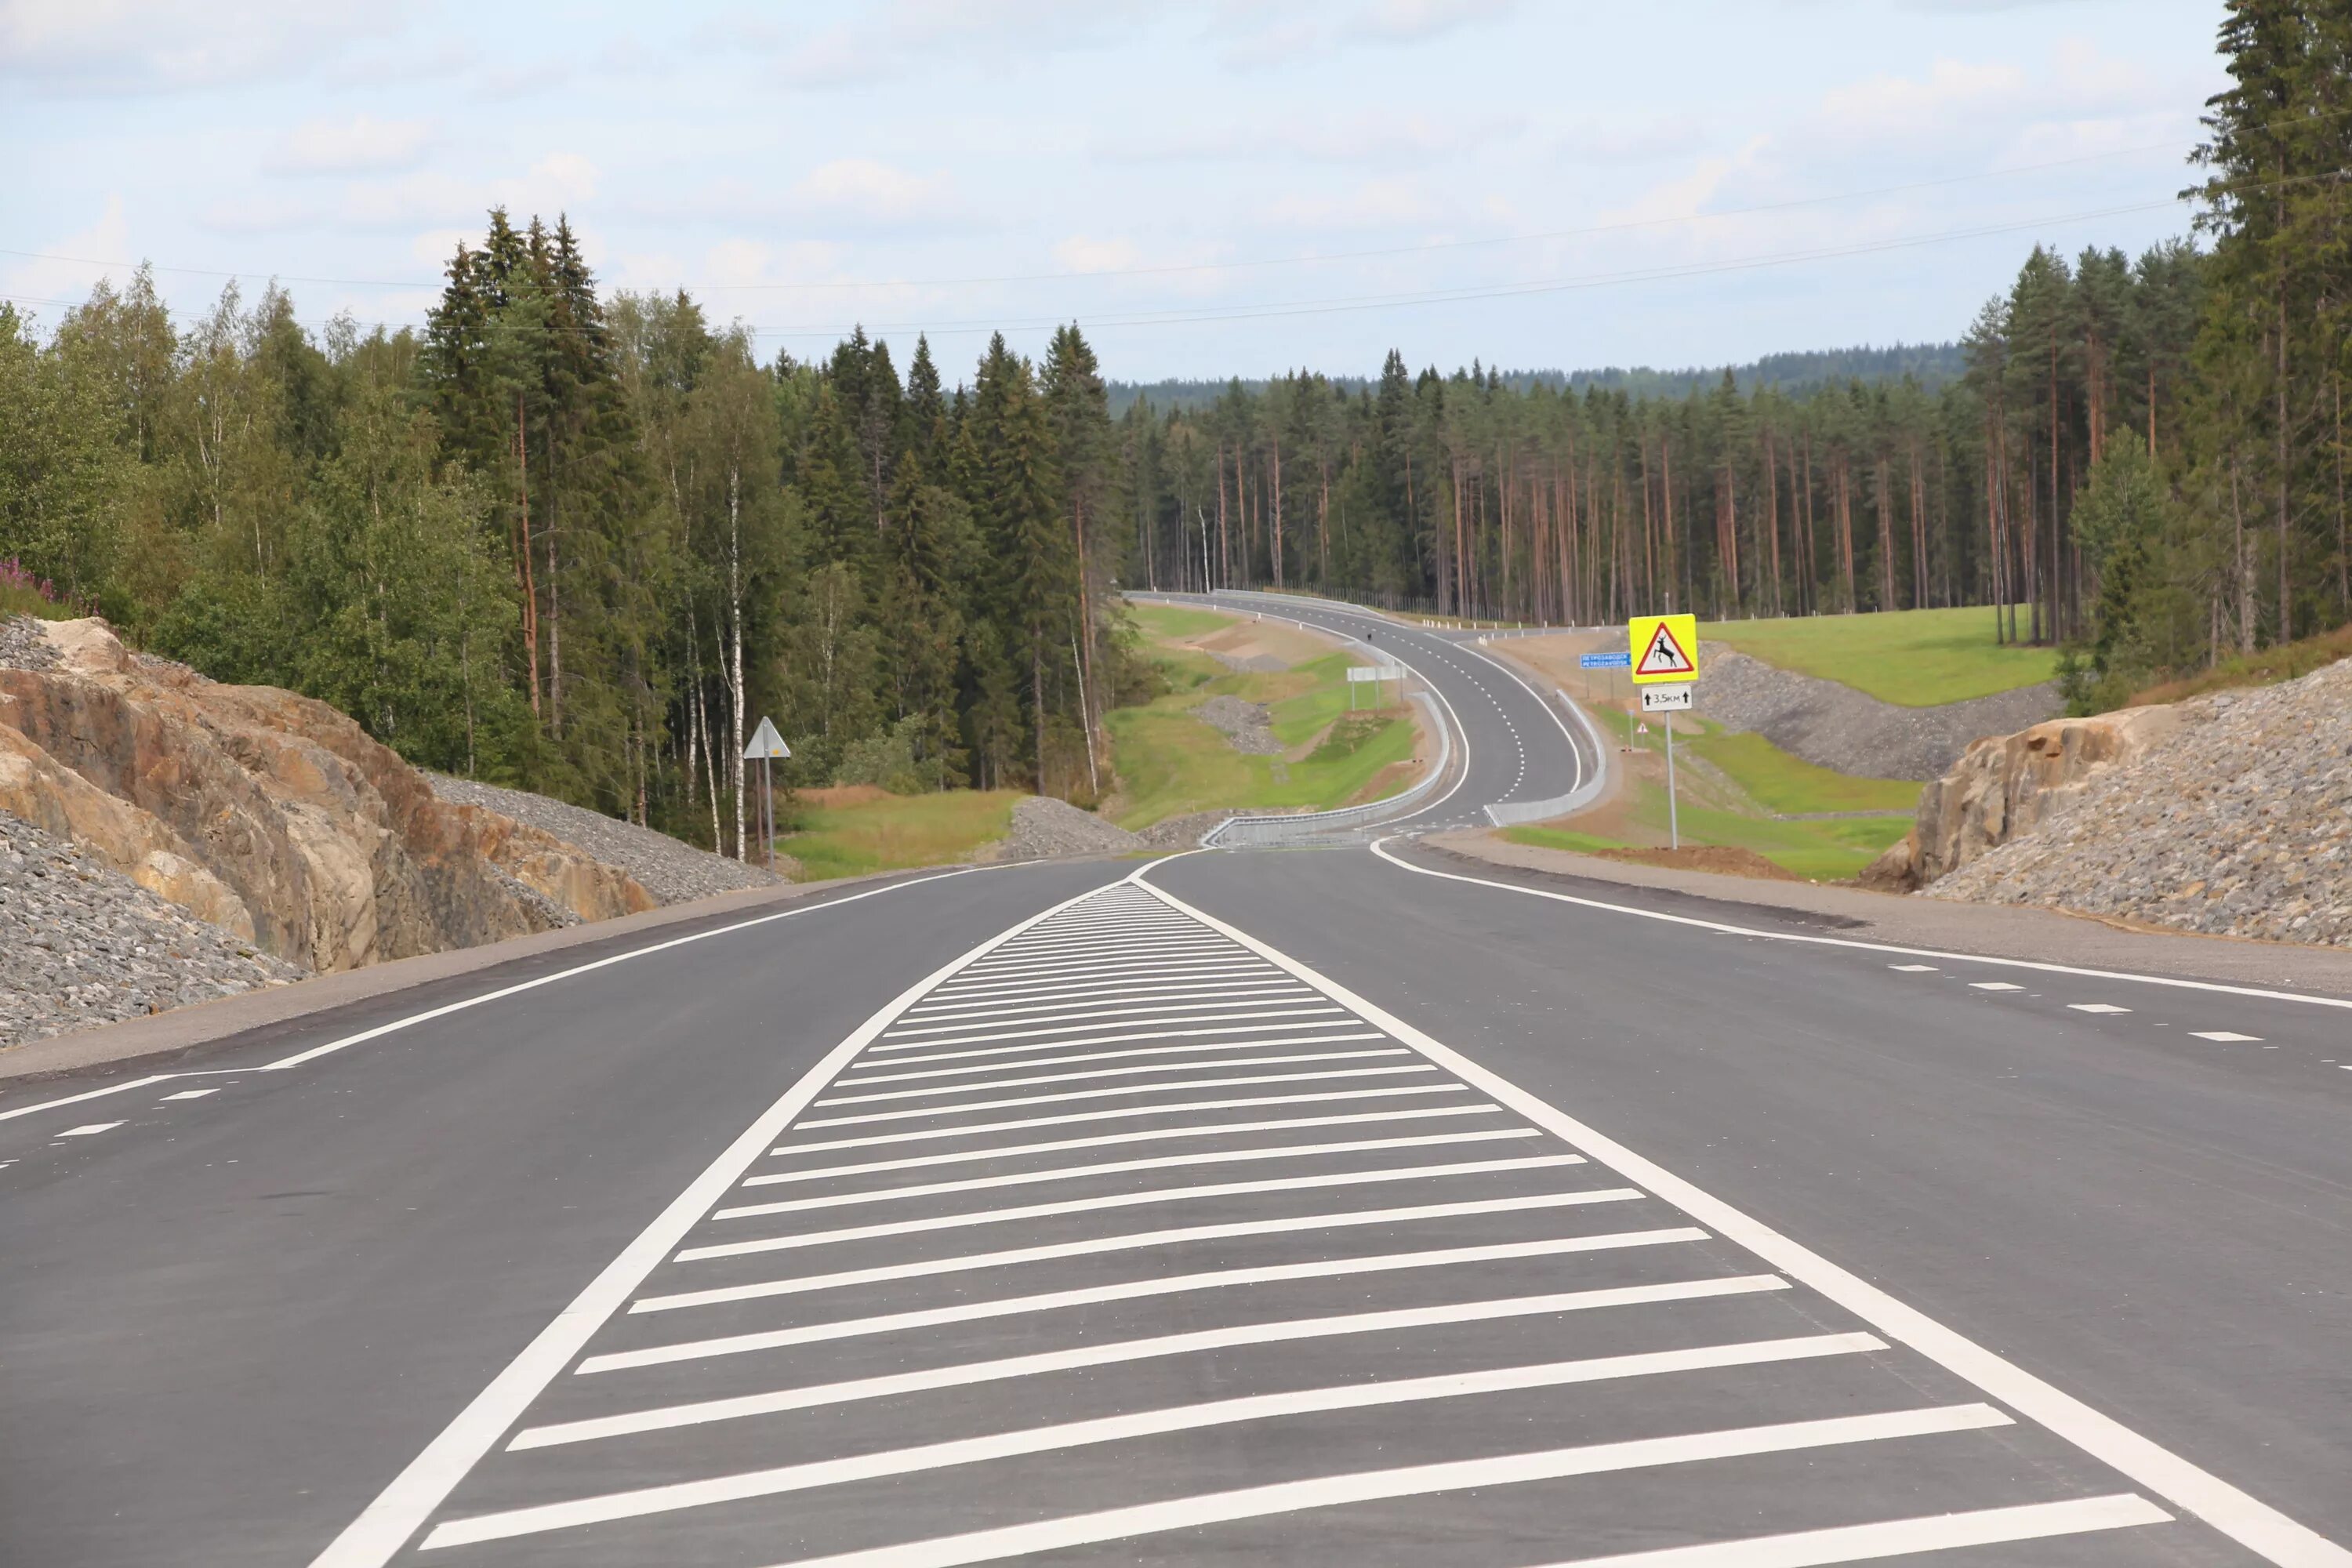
(766, 743)
(1664, 656)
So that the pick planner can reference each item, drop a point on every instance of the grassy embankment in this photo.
(1170, 761)
(1917, 659)
(849, 832)
(2266, 668)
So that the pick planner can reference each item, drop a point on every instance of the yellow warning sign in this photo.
(1665, 648)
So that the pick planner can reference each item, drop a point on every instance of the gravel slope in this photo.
(670, 870)
(81, 943)
(1834, 726)
(2239, 825)
(1044, 827)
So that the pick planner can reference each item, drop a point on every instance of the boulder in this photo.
(338, 851)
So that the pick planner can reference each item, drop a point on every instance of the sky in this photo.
(1207, 187)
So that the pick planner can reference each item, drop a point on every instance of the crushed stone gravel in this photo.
(22, 645)
(2239, 823)
(81, 943)
(671, 871)
(1834, 726)
(1247, 727)
(1044, 827)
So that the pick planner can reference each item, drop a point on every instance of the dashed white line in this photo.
(2227, 1038)
(192, 1094)
(1993, 986)
(89, 1128)
(2095, 1007)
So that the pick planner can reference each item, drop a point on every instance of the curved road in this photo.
(1343, 1205)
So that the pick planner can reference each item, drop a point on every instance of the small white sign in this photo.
(1376, 672)
(766, 743)
(1665, 699)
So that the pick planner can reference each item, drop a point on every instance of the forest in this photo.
(579, 541)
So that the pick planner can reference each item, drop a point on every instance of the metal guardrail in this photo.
(1503, 814)
(1238, 832)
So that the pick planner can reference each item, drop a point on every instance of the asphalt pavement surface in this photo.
(1316, 1206)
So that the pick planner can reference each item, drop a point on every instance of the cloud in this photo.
(1372, 204)
(1256, 36)
(1385, 139)
(360, 145)
(106, 240)
(1082, 253)
(444, 204)
(133, 45)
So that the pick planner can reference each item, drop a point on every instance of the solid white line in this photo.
(1896, 1538)
(1213, 1015)
(1727, 930)
(1117, 1167)
(1418, 1481)
(996, 1085)
(1118, 1114)
(1096, 1010)
(1154, 1001)
(88, 1129)
(1092, 1246)
(1110, 1140)
(1109, 1353)
(1213, 1280)
(382, 1529)
(87, 1094)
(643, 1500)
(2254, 1525)
(1318, 1181)
(315, 1052)
(1339, 1021)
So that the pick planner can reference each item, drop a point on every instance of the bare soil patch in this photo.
(833, 797)
(1703, 858)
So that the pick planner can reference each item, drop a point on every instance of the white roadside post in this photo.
(766, 746)
(1664, 653)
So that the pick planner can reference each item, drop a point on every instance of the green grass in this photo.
(1171, 763)
(1819, 851)
(1919, 658)
(897, 832)
(16, 601)
(2268, 666)
(1172, 621)
(1779, 781)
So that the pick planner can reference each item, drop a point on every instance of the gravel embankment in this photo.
(1247, 727)
(1044, 827)
(22, 647)
(1834, 726)
(2239, 825)
(1184, 832)
(670, 870)
(81, 943)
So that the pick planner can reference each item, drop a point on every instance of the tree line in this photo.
(579, 541)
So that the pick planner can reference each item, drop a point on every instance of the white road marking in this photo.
(1256, 997)
(1120, 1167)
(1214, 1016)
(2341, 1002)
(1110, 1140)
(2226, 1037)
(1124, 1112)
(1896, 1538)
(1149, 1000)
(462, 1003)
(1913, 968)
(1320, 1180)
(1195, 977)
(1123, 955)
(1132, 1051)
(1213, 1279)
(872, 1116)
(1110, 1353)
(1417, 1480)
(996, 1085)
(1147, 991)
(1144, 969)
(15, 1112)
(1093, 1245)
(1993, 986)
(372, 1539)
(192, 1094)
(2253, 1524)
(2095, 1007)
(88, 1128)
(784, 1478)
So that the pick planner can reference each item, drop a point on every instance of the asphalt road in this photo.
(1260, 1207)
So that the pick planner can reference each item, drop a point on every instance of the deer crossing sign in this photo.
(1664, 648)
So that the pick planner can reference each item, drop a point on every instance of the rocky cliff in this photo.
(270, 814)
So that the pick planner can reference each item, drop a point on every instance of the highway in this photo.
(1346, 1205)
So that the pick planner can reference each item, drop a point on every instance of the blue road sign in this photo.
(1618, 660)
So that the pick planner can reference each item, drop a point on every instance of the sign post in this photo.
(767, 745)
(1664, 654)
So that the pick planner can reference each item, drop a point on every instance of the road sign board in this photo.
(1663, 649)
(766, 743)
(1665, 699)
(1377, 672)
(1604, 661)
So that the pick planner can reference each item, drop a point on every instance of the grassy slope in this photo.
(2266, 668)
(1916, 657)
(1171, 763)
(1822, 851)
(897, 832)
(1780, 782)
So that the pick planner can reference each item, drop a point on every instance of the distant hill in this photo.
(1931, 365)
